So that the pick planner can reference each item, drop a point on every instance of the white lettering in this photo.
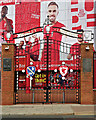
(21, 66)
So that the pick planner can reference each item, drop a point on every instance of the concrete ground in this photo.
(48, 109)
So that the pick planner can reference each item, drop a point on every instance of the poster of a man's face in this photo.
(73, 16)
(4, 11)
(52, 12)
(8, 11)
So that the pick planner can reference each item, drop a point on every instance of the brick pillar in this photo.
(86, 82)
(7, 74)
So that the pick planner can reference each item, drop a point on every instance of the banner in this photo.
(27, 16)
(29, 19)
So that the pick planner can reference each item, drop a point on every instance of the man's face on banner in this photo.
(3, 11)
(52, 12)
(21, 44)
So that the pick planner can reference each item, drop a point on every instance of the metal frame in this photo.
(47, 88)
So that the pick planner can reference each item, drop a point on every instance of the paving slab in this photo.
(48, 109)
(84, 110)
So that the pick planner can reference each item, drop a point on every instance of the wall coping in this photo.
(86, 43)
(8, 43)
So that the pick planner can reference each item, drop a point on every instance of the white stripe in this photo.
(22, 80)
(20, 56)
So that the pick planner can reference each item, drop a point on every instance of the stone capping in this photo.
(87, 43)
(8, 44)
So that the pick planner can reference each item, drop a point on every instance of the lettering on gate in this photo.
(40, 79)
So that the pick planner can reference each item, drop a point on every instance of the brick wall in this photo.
(7, 77)
(94, 94)
(86, 83)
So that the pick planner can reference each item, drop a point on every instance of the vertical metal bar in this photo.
(33, 96)
(47, 36)
(17, 75)
(63, 96)
(47, 68)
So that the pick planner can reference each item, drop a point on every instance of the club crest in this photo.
(63, 70)
(31, 70)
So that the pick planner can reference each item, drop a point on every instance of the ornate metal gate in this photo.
(43, 72)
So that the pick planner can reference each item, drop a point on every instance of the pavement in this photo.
(48, 109)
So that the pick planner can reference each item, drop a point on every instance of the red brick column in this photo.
(86, 82)
(7, 74)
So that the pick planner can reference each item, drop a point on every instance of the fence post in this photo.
(86, 81)
(7, 74)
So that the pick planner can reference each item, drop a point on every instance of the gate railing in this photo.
(55, 79)
(48, 72)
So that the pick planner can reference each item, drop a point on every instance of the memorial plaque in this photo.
(87, 64)
(7, 64)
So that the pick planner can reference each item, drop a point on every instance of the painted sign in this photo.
(31, 70)
(63, 70)
(39, 80)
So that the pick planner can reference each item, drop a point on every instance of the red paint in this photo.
(75, 19)
(27, 85)
(27, 16)
(80, 36)
(74, 9)
(89, 5)
(89, 16)
(74, 2)
(91, 24)
(76, 28)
